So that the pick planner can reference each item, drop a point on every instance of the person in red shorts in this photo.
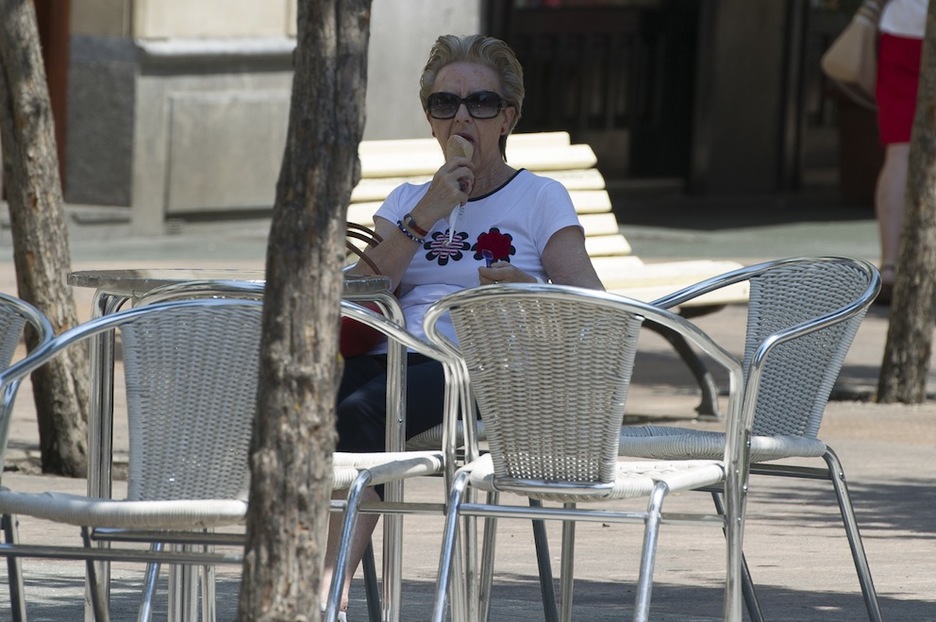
(899, 54)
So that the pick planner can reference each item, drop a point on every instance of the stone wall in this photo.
(180, 107)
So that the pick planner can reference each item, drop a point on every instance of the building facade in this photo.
(178, 108)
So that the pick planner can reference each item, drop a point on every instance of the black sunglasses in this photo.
(480, 105)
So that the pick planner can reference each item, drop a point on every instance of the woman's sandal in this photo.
(887, 284)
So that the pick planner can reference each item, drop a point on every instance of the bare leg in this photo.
(889, 205)
(362, 536)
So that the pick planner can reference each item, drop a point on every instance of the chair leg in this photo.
(208, 604)
(486, 572)
(371, 589)
(747, 583)
(98, 592)
(14, 570)
(486, 578)
(183, 589)
(449, 533)
(648, 555)
(734, 538)
(150, 579)
(837, 476)
(174, 591)
(550, 612)
(544, 567)
(473, 594)
(462, 609)
(568, 567)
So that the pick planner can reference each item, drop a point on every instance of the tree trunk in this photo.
(40, 236)
(910, 332)
(294, 433)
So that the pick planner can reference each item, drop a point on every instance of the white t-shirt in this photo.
(904, 18)
(528, 209)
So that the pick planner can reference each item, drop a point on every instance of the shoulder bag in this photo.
(851, 60)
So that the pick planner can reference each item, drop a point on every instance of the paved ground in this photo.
(795, 544)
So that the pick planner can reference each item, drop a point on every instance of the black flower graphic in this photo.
(439, 249)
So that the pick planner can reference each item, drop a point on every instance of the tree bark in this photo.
(40, 236)
(910, 331)
(294, 433)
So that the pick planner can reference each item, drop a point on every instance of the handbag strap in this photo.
(871, 10)
(355, 231)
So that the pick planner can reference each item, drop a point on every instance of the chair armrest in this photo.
(685, 295)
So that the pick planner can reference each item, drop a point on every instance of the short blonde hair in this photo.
(483, 50)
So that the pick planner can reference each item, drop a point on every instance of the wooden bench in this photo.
(386, 164)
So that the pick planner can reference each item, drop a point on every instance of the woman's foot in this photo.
(888, 272)
(342, 616)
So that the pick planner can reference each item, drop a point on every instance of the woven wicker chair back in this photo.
(550, 374)
(191, 381)
(798, 376)
(12, 324)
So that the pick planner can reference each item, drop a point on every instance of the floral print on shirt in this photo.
(440, 250)
(498, 245)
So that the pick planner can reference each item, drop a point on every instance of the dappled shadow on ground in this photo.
(60, 599)
(518, 599)
(904, 506)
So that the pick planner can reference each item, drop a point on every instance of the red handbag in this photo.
(356, 338)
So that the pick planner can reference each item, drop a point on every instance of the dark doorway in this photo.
(53, 18)
(618, 75)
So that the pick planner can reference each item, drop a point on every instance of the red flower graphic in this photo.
(494, 246)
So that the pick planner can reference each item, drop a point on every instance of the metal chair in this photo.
(802, 317)
(15, 316)
(383, 467)
(550, 367)
(351, 472)
(191, 370)
(182, 580)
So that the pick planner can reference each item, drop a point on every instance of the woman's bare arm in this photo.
(392, 256)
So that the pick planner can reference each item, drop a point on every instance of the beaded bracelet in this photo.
(400, 226)
(410, 223)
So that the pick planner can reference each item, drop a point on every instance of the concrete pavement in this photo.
(795, 544)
